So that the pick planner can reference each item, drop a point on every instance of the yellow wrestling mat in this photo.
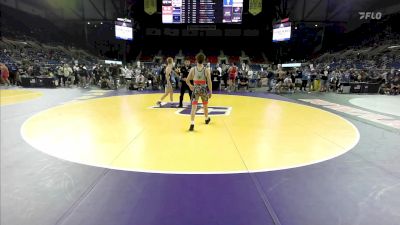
(8, 97)
(125, 133)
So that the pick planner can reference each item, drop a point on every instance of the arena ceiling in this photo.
(71, 9)
(337, 10)
(298, 10)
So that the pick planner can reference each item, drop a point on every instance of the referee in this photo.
(184, 74)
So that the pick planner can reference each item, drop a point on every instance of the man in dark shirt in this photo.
(96, 74)
(115, 74)
(184, 70)
(83, 75)
(162, 76)
(299, 74)
(243, 82)
(225, 75)
(216, 79)
(395, 85)
(271, 77)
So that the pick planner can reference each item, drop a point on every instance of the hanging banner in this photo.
(150, 6)
(255, 7)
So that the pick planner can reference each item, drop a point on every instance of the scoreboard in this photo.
(202, 11)
(281, 32)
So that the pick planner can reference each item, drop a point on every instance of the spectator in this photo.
(332, 81)
(271, 77)
(18, 78)
(75, 72)
(233, 72)
(288, 83)
(96, 74)
(69, 77)
(280, 80)
(184, 72)
(60, 76)
(176, 77)
(313, 77)
(5, 74)
(105, 82)
(254, 77)
(344, 80)
(128, 77)
(305, 77)
(162, 74)
(324, 79)
(216, 79)
(114, 71)
(243, 82)
(12, 77)
(83, 74)
(219, 68)
(225, 75)
(140, 81)
(395, 85)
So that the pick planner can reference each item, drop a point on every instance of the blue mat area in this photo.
(360, 187)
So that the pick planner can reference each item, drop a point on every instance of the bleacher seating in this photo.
(234, 59)
(148, 54)
(169, 52)
(255, 56)
(20, 25)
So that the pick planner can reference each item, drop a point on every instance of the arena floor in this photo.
(94, 157)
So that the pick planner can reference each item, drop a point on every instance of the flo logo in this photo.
(212, 110)
(187, 108)
(370, 15)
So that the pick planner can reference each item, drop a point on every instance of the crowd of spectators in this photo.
(308, 79)
(376, 60)
(33, 59)
(140, 76)
(77, 68)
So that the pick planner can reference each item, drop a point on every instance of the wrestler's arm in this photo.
(168, 76)
(189, 78)
(209, 83)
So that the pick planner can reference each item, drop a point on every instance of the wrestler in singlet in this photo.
(233, 71)
(202, 88)
(169, 73)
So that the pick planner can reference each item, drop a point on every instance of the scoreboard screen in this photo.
(281, 32)
(202, 11)
(123, 29)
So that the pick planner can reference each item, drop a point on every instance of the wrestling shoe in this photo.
(208, 120)
(191, 127)
(159, 103)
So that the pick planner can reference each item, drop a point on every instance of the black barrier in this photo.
(216, 82)
(371, 88)
(360, 88)
(39, 82)
(355, 88)
(26, 81)
(215, 85)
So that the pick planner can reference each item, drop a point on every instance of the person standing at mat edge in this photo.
(184, 74)
(4, 74)
(169, 90)
(233, 72)
(202, 80)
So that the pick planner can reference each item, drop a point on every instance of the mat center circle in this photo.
(126, 133)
